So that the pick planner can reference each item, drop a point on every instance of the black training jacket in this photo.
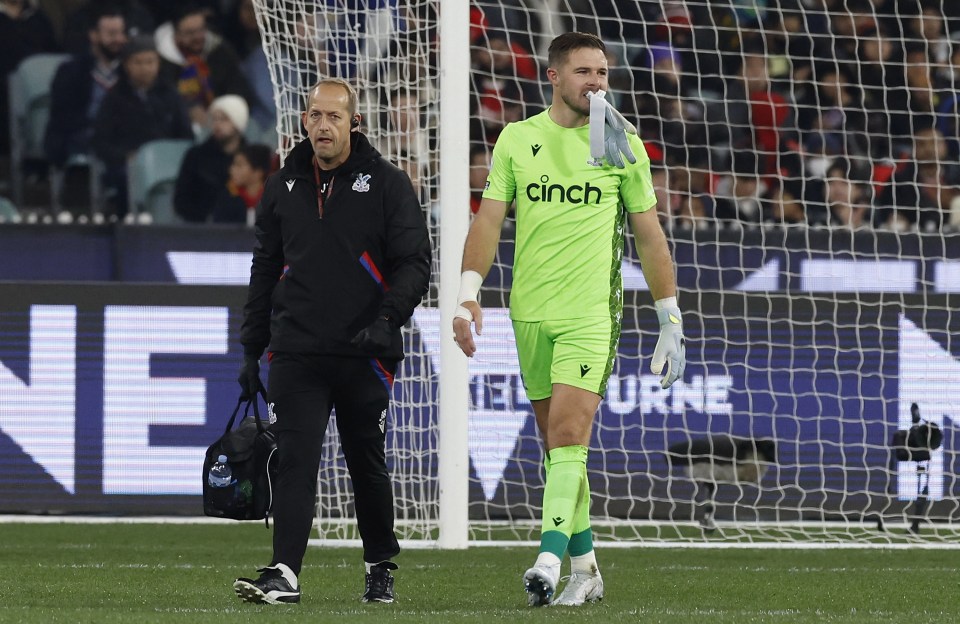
(318, 279)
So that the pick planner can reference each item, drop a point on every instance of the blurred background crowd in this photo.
(809, 112)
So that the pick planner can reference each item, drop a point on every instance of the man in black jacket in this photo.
(342, 259)
(140, 108)
(81, 84)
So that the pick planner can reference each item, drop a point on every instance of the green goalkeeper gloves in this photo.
(608, 132)
(671, 349)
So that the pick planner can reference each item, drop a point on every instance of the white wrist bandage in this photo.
(666, 302)
(470, 283)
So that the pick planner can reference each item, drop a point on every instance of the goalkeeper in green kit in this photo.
(566, 170)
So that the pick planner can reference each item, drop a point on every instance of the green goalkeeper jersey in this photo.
(570, 218)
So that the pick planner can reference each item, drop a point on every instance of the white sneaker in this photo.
(581, 588)
(540, 586)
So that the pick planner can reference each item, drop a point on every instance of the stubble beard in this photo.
(576, 105)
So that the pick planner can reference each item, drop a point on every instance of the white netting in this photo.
(805, 156)
(388, 52)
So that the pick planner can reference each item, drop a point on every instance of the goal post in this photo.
(811, 202)
(453, 468)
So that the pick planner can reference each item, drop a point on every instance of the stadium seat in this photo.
(29, 96)
(94, 171)
(256, 133)
(8, 212)
(151, 177)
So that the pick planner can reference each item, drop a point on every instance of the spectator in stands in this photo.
(509, 58)
(784, 199)
(661, 185)
(241, 29)
(882, 78)
(796, 37)
(837, 125)
(406, 135)
(199, 63)
(841, 199)
(406, 140)
(206, 167)
(752, 117)
(24, 30)
(298, 64)
(356, 37)
(704, 34)
(928, 28)
(254, 65)
(948, 109)
(479, 170)
(80, 86)
(689, 204)
(770, 114)
(497, 104)
(782, 205)
(503, 76)
(739, 196)
(141, 107)
(76, 38)
(849, 20)
(917, 103)
(923, 189)
(669, 110)
(238, 201)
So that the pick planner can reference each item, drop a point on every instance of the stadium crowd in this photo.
(820, 112)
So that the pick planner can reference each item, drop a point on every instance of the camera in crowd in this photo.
(916, 443)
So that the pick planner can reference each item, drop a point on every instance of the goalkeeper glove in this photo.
(249, 378)
(377, 336)
(608, 132)
(671, 349)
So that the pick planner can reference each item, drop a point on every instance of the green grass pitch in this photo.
(103, 573)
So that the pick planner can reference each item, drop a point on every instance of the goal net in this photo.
(804, 154)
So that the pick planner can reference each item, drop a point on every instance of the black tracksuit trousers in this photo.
(302, 391)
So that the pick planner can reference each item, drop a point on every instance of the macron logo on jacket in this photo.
(290, 184)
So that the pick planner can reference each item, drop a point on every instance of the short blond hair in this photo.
(353, 99)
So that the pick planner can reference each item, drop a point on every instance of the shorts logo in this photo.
(271, 413)
(584, 369)
(383, 421)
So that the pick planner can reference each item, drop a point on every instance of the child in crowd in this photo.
(248, 171)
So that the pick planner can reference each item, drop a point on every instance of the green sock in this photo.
(581, 542)
(566, 481)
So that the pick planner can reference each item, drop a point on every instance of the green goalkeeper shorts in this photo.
(576, 352)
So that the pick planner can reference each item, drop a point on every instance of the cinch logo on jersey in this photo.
(556, 193)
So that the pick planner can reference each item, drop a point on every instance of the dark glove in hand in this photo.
(249, 378)
(376, 336)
